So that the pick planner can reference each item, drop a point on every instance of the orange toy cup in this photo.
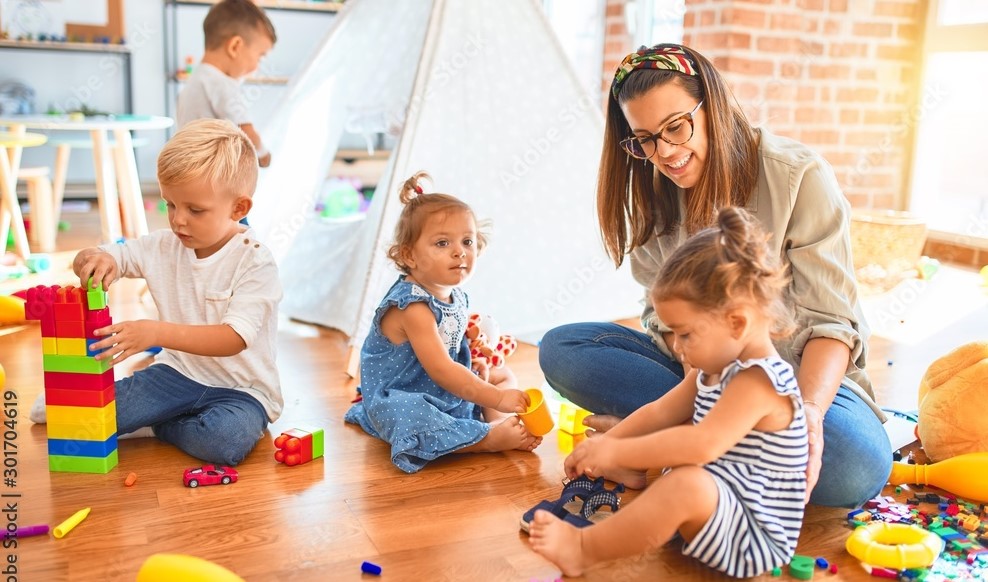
(537, 419)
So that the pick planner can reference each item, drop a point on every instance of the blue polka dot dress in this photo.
(401, 403)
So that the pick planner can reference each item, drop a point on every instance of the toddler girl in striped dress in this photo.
(732, 435)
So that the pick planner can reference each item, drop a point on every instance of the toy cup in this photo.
(537, 419)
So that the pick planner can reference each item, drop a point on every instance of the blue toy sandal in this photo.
(591, 492)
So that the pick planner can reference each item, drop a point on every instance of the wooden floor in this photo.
(456, 520)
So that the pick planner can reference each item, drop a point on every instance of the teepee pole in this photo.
(399, 170)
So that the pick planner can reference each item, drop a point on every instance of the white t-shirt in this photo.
(210, 93)
(236, 286)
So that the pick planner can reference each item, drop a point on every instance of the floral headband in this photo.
(670, 57)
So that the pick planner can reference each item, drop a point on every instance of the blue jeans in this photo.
(217, 425)
(610, 369)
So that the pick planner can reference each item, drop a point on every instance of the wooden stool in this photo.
(40, 199)
(11, 145)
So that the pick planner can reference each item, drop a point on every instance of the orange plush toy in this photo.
(951, 396)
(486, 342)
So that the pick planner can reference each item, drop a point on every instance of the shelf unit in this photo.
(171, 42)
(123, 51)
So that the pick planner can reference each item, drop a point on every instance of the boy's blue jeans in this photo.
(607, 368)
(217, 425)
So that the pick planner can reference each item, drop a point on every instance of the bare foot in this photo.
(601, 422)
(508, 434)
(631, 478)
(557, 541)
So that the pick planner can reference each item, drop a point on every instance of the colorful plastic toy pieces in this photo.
(67, 525)
(370, 568)
(296, 446)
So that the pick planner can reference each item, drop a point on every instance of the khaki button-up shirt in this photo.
(797, 200)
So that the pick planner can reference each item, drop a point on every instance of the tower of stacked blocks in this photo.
(79, 396)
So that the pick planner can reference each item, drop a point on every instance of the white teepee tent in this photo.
(488, 105)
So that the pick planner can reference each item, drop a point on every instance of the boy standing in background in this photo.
(238, 34)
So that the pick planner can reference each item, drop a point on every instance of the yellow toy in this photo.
(571, 418)
(895, 545)
(964, 475)
(11, 310)
(951, 395)
(170, 567)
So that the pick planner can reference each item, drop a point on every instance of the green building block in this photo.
(64, 464)
(96, 298)
(78, 364)
(318, 443)
(802, 567)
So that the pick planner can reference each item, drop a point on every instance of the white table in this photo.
(121, 214)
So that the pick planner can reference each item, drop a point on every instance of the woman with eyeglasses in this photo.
(677, 148)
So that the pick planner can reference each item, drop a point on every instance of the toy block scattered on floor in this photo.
(79, 389)
(571, 418)
(296, 446)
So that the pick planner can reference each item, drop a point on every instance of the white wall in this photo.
(65, 80)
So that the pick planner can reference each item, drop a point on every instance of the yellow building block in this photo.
(567, 442)
(571, 418)
(71, 346)
(82, 414)
(49, 346)
(81, 431)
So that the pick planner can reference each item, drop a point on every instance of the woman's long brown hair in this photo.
(635, 201)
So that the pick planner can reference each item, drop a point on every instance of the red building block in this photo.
(296, 446)
(68, 305)
(90, 398)
(78, 381)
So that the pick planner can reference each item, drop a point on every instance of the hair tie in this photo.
(669, 57)
(417, 188)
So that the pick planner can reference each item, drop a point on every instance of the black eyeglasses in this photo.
(676, 132)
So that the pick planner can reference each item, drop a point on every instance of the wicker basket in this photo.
(888, 239)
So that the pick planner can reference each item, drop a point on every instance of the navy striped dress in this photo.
(761, 483)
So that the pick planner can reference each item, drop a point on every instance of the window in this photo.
(654, 21)
(579, 26)
(949, 175)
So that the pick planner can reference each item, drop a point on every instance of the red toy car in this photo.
(209, 475)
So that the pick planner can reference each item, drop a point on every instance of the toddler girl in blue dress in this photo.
(420, 392)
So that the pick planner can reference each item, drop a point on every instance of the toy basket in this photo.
(888, 239)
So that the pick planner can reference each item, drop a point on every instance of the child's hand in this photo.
(97, 264)
(593, 457)
(125, 339)
(481, 369)
(265, 160)
(512, 401)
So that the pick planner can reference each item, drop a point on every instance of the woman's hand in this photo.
(125, 339)
(814, 429)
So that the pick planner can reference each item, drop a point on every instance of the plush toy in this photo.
(486, 342)
(951, 395)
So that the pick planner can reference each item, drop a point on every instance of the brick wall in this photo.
(617, 44)
(838, 75)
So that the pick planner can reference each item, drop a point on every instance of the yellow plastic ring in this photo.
(895, 545)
